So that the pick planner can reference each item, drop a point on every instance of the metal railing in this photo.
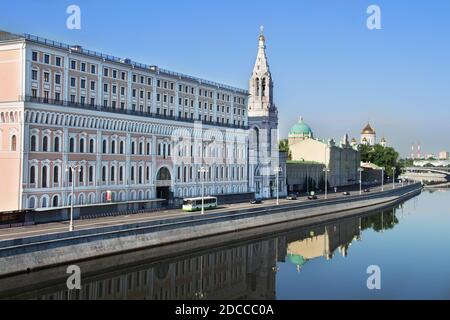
(109, 109)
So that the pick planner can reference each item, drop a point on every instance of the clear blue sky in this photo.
(327, 66)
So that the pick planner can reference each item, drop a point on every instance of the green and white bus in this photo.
(195, 204)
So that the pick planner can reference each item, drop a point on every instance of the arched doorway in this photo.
(163, 184)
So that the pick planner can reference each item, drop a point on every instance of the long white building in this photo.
(127, 131)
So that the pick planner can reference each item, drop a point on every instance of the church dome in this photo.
(302, 129)
(297, 259)
(368, 129)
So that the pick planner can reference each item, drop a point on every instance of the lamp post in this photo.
(360, 170)
(200, 294)
(393, 178)
(73, 168)
(277, 172)
(382, 178)
(326, 170)
(203, 171)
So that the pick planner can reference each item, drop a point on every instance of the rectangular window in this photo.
(105, 103)
(158, 97)
(34, 74)
(114, 89)
(93, 69)
(122, 91)
(72, 98)
(142, 79)
(34, 56)
(34, 93)
(83, 84)
(46, 77)
(149, 81)
(73, 64)
(134, 78)
(105, 87)
(82, 100)
(105, 72)
(57, 78)
(46, 59)
(58, 61)
(114, 74)
(92, 102)
(72, 82)
(92, 85)
(83, 67)
(123, 76)
(134, 93)
(57, 96)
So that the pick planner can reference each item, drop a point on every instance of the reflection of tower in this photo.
(412, 151)
(418, 152)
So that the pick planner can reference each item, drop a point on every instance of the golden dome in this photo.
(368, 130)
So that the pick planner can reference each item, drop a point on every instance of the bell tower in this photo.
(263, 123)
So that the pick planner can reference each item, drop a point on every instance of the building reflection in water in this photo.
(240, 272)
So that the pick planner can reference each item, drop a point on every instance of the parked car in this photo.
(346, 193)
(312, 197)
(366, 190)
(291, 197)
(256, 201)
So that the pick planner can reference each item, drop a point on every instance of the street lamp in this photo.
(326, 170)
(360, 170)
(200, 294)
(277, 172)
(393, 178)
(73, 168)
(382, 178)
(203, 171)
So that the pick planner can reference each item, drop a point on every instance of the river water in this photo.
(409, 244)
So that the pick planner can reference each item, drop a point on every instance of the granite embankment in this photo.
(43, 251)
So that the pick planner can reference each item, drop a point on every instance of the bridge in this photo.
(427, 174)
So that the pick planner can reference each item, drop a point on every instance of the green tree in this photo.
(283, 146)
(385, 157)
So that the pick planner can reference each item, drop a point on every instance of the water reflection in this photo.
(245, 271)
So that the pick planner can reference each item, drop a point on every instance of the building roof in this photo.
(368, 129)
(8, 36)
(301, 128)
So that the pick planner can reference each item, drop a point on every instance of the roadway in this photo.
(58, 227)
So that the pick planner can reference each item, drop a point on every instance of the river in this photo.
(409, 244)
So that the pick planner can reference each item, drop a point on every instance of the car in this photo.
(312, 197)
(291, 197)
(366, 190)
(256, 201)
(346, 193)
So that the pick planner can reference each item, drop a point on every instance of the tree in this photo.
(283, 146)
(385, 157)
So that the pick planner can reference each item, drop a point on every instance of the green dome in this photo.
(301, 128)
(297, 260)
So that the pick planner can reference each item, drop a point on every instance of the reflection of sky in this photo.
(414, 258)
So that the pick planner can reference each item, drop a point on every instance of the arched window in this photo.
(14, 143)
(71, 145)
(33, 144)
(148, 173)
(148, 148)
(33, 174)
(32, 203)
(104, 174)
(141, 148)
(81, 175)
(132, 174)
(133, 147)
(44, 177)
(55, 201)
(113, 174)
(45, 144)
(140, 175)
(91, 146)
(122, 147)
(82, 145)
(44, 202)
(70, 175)
(104, 146)
(113, 147)
(121, 173)
(56, 144)
(91, 174)
(55, 174)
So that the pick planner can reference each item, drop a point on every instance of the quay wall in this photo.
(34, 253)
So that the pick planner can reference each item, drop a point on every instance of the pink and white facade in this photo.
(134, 132)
